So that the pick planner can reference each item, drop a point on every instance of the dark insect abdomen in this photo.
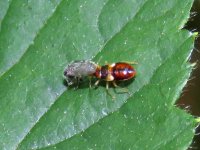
(123, 71)
(104, 72)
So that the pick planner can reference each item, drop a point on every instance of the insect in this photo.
(119, 71)
(78, 69)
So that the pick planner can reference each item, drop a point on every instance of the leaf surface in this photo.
(37, 41)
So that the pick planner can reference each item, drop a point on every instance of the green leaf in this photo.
(39, 38)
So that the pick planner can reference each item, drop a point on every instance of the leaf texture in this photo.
(39, 38)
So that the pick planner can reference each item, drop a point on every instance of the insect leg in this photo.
(99, 59)
(96, 83)
(122, 90)
(107, 89)
(77, 83)
(130, 62)
(90, 84)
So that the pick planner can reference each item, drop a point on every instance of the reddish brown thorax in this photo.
(117, 71)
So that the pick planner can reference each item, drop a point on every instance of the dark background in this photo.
(190, 98)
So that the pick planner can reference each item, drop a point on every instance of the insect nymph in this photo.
(119, 71)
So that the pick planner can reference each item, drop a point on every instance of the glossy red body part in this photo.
(115, 72)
